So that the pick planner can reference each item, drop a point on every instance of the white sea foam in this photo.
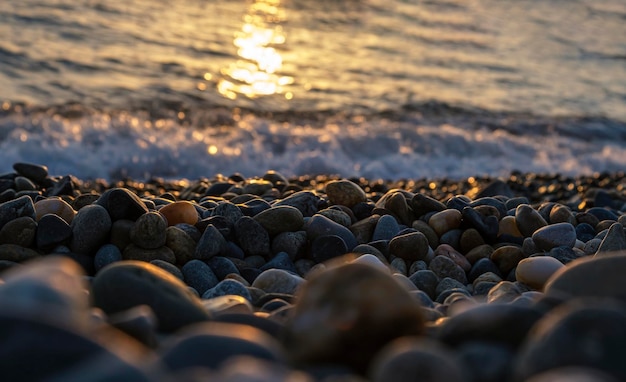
(104, 146)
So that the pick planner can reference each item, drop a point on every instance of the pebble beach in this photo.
(312, 278)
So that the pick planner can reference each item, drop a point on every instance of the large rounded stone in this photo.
(20, 231)
(345, 192)
(411, 246)
(615, 240)
(51, 231)
(445, 221)
(528, 220)
(499, 323)
(211, 244)
(126, 284)
(278, 281)
(586, 333)
(601, 277)
(280, 219)
(90, 229)
(405, 360)
(13, 209)
(181, 212)
(444, 267)
(554, 235)
(252, 237)
(346, 314)
(35, 172)
(121, 203)
(305, 201)
(54, 206)
(149, 231)
(319, 225)
(535, 271)
(386, 228)
(209, 345)
(180, 243)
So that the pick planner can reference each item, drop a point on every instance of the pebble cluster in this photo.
(312, 279)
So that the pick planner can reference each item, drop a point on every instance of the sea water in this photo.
(382, 89)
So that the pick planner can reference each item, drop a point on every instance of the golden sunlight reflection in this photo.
(256, 72)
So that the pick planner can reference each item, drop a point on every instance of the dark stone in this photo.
(180, 243)
(270, 327)
(139, 323)
(199, 276)
(585, 232)
(133, 252)
(252, 237)
(615, 240)
(211, 244)
(444, 296)
(423, 204)
(121, 203)
(35, 172)
(487, 226)
(327, 247)
(169, 267)
(20, 231)
(209, 345)
(281, 261)
(602, 213)
(222, 267)
(52, 231)
(90, 229)
(227, 287)
(584, 333)
(120, 233)
(218, 188)
(293, 243)
(280, 219)
(443, 267)
(472, 357)
(415, 360)
(16, 253)
(563, 254)
(411, 246)
(386, 228)
(482, 266)
(496, 323)
(107, 254)
(126, 284)
(425, 280)
(495, 188)
(253, 207)
(148, 232)
(319, 225)
(457, 203)
(16, 208)
(64, 186)
(305, 201)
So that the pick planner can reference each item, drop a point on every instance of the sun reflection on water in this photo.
(257, 72)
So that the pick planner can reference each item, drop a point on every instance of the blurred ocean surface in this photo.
(377, 88)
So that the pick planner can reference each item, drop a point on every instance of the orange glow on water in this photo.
(256, 73)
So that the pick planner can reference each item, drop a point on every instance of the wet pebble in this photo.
(345, 192)
(555, 235)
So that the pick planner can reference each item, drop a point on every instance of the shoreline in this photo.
(313, 278)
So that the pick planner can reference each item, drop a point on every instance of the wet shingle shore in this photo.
(312, 278)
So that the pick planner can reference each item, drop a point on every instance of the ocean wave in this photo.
(433, 141)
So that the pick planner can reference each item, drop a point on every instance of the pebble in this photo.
(278, 281)
(372, 260)
(345, 192)
(121, 203)
(555, 235)
(448, 251)
(292, 243)
(199, 276)
(536, 271)
(181, 212)
(280, 219)
(406, 360)
(181, 244)
(486, 225)
(305, 201)
(211, 244)
(615, 240)
(35, 172)
(411, 246)
(423, 204)
(581, 333)
(227, 287)
(507, 257)
(90, 229)
(148, 232)
(21, 231)
(126, 284)
(600, 277)
(386, 228)
(210, 344)
(134, 252)
(472, 358)
(327, 247)
(252, 238)
(444, 267)
(444, 221)
(528, 220)
(334, 313)
(425, 280)
(107, 254)
(281, 261)
(54, 206)
(337, 215)
(16, 208)
(319, 225)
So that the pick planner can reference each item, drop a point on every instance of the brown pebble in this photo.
(180, 212)
(54, 206)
